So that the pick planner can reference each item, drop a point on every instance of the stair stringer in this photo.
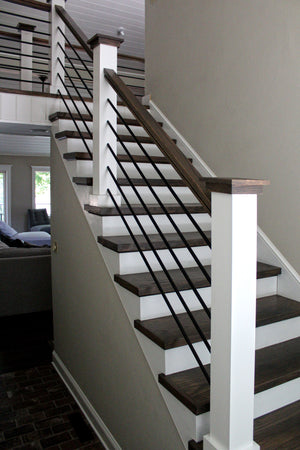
(289, 280)
(187, 424)
(167, 435)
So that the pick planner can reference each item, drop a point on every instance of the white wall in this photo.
(92, 334)
(227, 74)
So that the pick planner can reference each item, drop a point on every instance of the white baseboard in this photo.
(87, 409)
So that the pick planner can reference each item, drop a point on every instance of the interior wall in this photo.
(21, 186)
(92, 333)
(226, 73)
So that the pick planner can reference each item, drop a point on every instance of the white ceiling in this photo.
(106, 16)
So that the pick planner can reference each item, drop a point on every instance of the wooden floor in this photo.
(36, 410)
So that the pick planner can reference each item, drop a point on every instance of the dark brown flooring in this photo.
(36, 409)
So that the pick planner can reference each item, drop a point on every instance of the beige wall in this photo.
(92, 333)
(21, 186)
(227, 74)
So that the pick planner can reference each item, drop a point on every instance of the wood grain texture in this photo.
(125, 243)
(165, 332)
(235, 185)
(138, 209)
(88, 181)
(71, 134)
(162, 140)
(123, 158)
(274, 365)
(98, 39)
(142, 284)
(66, 116)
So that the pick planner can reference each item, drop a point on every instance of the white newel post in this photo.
(26, 62)
(56, 51)
(104, 57)
(234, 237)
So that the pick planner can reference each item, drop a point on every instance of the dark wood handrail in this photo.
(31, 4)
(75, 29)
(181, 164)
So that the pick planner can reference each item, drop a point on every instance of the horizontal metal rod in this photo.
(23, 81)
(152, 273)
(24, 17)
(23, 42)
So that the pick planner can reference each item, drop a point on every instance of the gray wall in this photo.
(93, 336)
(21, 186)
(226, 73)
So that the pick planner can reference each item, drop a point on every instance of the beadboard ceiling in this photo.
(93, 16)
(106, 16)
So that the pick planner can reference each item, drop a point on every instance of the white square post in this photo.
(56, 52)
(105, 57)
(26, 55)
(234, 238)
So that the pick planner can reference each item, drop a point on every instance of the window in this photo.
(41, 188)
(5, 171)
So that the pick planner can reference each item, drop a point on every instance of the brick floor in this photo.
(37, 412)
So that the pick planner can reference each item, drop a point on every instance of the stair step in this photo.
(274, 365)
(165, 332)
(84, 156)
(277, 429)
(193, 208)
(142, 284)
(70, 134)
(88, 181)
(122, 244)
(66, 116)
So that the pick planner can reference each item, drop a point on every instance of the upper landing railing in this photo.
(29, 44)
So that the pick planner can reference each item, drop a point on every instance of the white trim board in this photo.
(289, 280)
(85, 406)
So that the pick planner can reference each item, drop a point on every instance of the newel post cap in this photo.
(26, 27)
(104, 39)
(235, 185)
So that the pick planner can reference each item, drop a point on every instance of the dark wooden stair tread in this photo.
(88, 181)
(138, 209)
(274, 365)
(66, 116)
(70, 134)
(165, 332)
(279, 429)
(142, 284)
(84, 156)
(125, 243)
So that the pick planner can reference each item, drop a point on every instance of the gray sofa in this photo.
(25, 280)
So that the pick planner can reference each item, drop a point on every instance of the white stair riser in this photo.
(152, 306)
(181, 358)
(76, 145)
(162, 192)
(132, 262)
(63, 124)
(131, 171)
(114, 226)
(123, 110)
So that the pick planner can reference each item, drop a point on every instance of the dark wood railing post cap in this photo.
(104, 39)
(50, 1)
(235, 185)
(26, 27)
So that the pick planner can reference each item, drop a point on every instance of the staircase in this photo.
(277, 355)
(153, 230)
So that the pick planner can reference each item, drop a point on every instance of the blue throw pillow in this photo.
(6, 230)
